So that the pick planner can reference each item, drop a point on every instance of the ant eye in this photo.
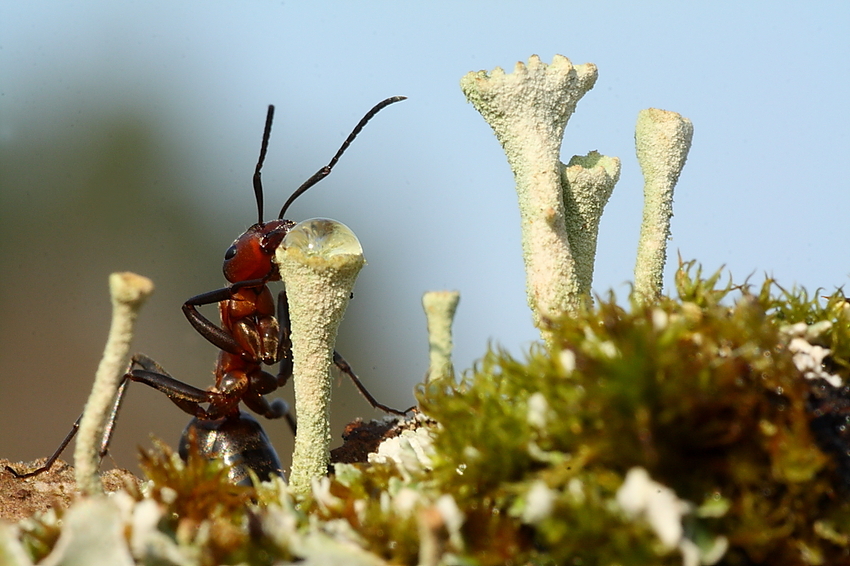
(231, 251)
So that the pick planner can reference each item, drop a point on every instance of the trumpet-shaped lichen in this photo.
(319, 261)
(440, 307)
(528, 111)
(662, 139)
(587, 183)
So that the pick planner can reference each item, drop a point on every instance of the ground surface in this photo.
(55, 488)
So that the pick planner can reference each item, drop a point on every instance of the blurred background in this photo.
(129, 132)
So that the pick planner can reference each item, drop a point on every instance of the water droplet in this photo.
(320, 236)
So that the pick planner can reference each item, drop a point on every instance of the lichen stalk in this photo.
(528, 111)
(319, 279)
(662, 141)
(587, 181)
(440, 307)
(129, 292)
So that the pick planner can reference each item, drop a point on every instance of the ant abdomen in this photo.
(239, 441)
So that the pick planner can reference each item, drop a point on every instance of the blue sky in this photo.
(426, 187)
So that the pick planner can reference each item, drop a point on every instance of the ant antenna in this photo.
(326, 170)
(258, 183)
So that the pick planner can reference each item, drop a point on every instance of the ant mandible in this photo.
(249, 336)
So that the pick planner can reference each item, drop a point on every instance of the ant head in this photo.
(250, 256)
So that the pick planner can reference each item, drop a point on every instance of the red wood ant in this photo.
(248, 337)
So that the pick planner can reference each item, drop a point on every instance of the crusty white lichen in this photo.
(559, 205)
(642, 498)
(319, 261)
(808, 356)
(662, 140)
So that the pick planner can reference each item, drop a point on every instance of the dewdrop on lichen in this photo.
(321, 236)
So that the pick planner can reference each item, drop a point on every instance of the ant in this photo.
(249, 335)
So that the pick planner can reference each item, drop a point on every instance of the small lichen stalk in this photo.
(662, 141)
(440, 307)
(129, 292)
(319, 261)
(587, 182)
(529, 110)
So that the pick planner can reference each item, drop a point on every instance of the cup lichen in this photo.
(587, 181)
(528, 111)
(319, 261)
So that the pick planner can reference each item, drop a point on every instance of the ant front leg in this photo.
(217, 336)
(187, 397)
(345, 368)
(284, 346)
(286, 363)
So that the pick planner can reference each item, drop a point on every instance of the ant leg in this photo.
(50, 461)
(185, 396)
(216, 335)
(271, 410)
(340, 362)
(109, 427)
(290, 420)
(108, 430)
(284, 347)
(174, 389)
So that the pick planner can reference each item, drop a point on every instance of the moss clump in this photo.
(201, 509)
(524, 462)
(702, 394)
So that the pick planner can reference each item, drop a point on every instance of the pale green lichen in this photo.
(319, 261)
(528, 110)
(662, 140)
(92, 534)
(440, 307)
(129, 292)
(587, 182)
(12, 552)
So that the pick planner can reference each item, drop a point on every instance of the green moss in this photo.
(205, 510)
(529, 455)
(701, 391)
